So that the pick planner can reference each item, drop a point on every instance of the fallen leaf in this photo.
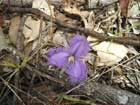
(3, 41)
(44, 6)
(87, 17)
(134, 12)
(59, 38)
(31, 29)
(109, 53)
(13, 30)
(99, 3)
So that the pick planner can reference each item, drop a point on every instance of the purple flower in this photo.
(71, 58)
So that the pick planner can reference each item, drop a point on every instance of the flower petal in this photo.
(79, 45)
(52, 51)
(77, 71)
(58, 57)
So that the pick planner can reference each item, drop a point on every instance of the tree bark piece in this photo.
(107, 94)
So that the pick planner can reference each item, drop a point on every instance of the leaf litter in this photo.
(41, 76)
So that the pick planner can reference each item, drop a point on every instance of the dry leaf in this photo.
(44, 6)
(72, 10)
(3, 41)
(98, 3)
(76, 11)
(87, 17)
(14, 25)
(109, 53)
(59, 38)
(31, 29)
(134, 12)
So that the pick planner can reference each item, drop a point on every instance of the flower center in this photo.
(71, 58)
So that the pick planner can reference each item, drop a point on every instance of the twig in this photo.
(31, 68)
(19, 48)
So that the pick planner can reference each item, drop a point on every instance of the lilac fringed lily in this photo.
(71, 58)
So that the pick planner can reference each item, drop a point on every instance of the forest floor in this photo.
(69, 52)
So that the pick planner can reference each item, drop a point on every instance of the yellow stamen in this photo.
(71, 58)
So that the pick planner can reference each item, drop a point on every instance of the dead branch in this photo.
(107, 94)
(134, 41)
(122, 40)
